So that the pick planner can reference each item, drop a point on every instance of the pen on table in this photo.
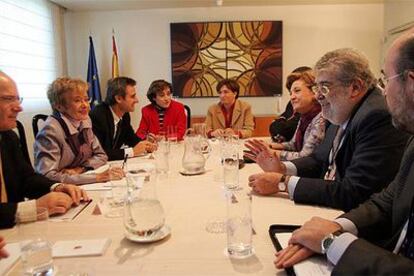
(125, 160)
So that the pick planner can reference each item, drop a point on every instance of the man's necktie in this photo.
(117, 134)
(331, 172)
(407, 246)
(3, 191)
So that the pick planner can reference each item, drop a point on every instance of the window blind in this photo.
(28, 51)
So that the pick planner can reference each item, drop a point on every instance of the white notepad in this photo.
(77, 248)
(72, 213)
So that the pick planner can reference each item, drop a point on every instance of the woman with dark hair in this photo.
(311, 127)
(162, 112)
(230, 115)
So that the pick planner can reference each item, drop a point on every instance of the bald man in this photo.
(17, 177)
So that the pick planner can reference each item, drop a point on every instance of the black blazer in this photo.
(366, 162)
(379, 222)
(20, 179)
(103, 127)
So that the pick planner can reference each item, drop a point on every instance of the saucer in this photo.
(184, 172)
(159, 235)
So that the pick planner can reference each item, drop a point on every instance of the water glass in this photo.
(172, 134)
(239, 224)
(35, 249)
(161, 156)
(118, 191)
(230, 163)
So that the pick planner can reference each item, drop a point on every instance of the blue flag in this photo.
(94, 91)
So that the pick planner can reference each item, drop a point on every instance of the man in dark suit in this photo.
(378, 236)
(111, 121)
(17, 177)
(361, 151)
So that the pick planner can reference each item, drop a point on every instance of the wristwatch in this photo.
(328, 240)
(282, 185)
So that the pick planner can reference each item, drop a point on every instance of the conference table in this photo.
(189, 203)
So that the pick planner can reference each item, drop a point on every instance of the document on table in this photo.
(14, 254)
(71, 213)
(316, 265)
(101, 169)
(97, 186)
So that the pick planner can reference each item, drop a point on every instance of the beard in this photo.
(403, 113)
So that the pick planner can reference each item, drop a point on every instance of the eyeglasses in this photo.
(11, 99)
(321, 89)
(384, 80)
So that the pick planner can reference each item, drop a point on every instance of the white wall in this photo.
(143, 40)
(396, 13)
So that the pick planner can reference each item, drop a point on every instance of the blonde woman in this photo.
(66, 147)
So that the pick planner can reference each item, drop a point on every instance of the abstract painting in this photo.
(250, 52)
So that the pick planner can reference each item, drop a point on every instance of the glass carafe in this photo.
(143, 213)
(193, 158)
(201, 129)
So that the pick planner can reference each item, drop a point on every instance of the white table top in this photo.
(189, 202)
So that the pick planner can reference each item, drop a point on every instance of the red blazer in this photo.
(174, 116)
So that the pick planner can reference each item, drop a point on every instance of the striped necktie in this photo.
(117, 134)
(331, 172)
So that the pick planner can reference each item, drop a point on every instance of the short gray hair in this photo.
(60, 86)
(349, 65)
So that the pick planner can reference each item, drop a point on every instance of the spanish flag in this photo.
(115, 68)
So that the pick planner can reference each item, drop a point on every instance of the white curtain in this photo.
(32, 46)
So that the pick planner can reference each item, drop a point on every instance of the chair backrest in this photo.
(23, 141)
(188, 111)
(35, 122)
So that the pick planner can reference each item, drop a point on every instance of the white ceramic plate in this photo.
(159, 235)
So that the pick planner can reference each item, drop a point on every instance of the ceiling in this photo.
(93, 5)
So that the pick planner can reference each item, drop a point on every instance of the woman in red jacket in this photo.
(162, 112)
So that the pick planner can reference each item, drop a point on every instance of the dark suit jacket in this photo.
(19, 176)
(103, 127)
(366, 162)
(380, 221)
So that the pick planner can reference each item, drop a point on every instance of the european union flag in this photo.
(94, 91)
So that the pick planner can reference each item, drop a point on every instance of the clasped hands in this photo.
(222, 132)
(305, 242)
(62, 198)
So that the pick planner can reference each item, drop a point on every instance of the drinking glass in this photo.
(230, 161)
(161, 156)
(172, 134)
(118, 185)
(239, 224)
(36, 251)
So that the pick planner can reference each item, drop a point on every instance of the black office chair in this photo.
(188, 111)
(35, 122)
(23, 141)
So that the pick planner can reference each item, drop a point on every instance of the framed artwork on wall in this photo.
(202, 54)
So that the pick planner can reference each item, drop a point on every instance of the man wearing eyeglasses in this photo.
(377, 238)
(17, 177)
(361, 151)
